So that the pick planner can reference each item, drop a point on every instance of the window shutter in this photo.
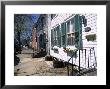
(55, 39)
(78, 36)
(63, 34)
(59, 36)
(52, 39)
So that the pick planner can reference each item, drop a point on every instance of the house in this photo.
(73, 38)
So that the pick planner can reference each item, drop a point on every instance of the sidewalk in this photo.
(29, 66)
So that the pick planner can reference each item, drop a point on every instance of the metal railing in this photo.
(88, 60)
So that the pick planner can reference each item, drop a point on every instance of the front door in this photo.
(42, 44)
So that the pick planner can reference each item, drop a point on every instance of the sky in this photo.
(28, 32)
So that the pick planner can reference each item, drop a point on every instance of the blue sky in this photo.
(28, 32)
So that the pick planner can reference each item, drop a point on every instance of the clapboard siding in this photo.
(92, 23)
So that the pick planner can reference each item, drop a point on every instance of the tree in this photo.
(22, 22)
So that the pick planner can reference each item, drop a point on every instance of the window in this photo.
(72, 25)
(68, 27)
(71, 32)
(56, 37)
(56, 40)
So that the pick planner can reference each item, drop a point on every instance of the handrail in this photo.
(72, 65)
(91, 49)
(71, 56)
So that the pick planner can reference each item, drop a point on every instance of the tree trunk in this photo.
(19, 41)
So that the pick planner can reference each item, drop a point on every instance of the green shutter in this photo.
(52, 39)
(78, 36)
(58, 36)
(55, 39)
(63, 34)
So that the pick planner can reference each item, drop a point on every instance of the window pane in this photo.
(73, 25)
(69, 40)
(72, 40)
(68, 26)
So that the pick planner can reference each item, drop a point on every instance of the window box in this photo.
(70, 49)
(91, 37)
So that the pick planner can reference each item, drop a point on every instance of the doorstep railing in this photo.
(88, 60)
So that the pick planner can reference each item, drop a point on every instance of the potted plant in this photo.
(71, 51)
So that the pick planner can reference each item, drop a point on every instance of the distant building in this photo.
(41, 30)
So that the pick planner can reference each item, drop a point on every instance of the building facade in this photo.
(74, 34)
(68, 37)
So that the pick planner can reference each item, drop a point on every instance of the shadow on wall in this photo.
(16, 60)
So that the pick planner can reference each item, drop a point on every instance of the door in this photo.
(42, 44)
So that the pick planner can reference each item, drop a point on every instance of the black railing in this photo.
(79, 71)
(72, 64)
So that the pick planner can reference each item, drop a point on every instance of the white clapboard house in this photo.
(73, 38)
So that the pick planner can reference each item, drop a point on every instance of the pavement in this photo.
(29, 66)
